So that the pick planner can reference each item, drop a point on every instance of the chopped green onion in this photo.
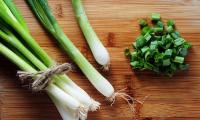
(183, 52)
(174, 35)
(140, 41)
(170, 23)
(145, 49)
(155, 16)
(160, 24)
(142, 23)
(170, 29)
(127, 52)
(160, 50)
(166, 62)
(179, 59)
(147, 37)
(168, 52)
(178, 42)
(158, 29)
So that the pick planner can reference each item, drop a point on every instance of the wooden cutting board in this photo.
(115, 21)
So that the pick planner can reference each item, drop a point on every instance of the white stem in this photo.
(100, 53)
(63, 97)
(67, 101)
(75, 91)
(104, 87)
(65, 113)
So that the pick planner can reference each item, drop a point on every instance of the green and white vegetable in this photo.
(61, 97)
(31, 57)
(44, 14)
(100, 53)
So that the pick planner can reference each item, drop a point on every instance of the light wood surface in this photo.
(115, 21)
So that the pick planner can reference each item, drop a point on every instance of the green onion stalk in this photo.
(100, 53)
(9, 23)
(44, 14)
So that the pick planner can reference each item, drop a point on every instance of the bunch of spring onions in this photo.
(18, 46)
(100, 53)
(46, 17)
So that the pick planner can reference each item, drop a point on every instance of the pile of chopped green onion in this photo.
(159, 48)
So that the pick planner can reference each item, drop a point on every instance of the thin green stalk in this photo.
(16, 13)
(84, 23)
(10, 19)
(12, 40)
(15, 59)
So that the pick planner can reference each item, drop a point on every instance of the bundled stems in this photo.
(36, 59)
(44, 14)
(64, 99)
(100, 53)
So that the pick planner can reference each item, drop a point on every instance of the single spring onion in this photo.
(64, 99)
(100, 53)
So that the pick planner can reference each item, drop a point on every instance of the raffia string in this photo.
(39, 81)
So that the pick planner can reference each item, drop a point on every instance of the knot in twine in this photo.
(38, 81)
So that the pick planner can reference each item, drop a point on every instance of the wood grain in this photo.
(115, 21)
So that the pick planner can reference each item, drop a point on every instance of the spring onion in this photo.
(71, 88)
(37, 58)
(64, 99)
(100, 53)
(44, 14)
